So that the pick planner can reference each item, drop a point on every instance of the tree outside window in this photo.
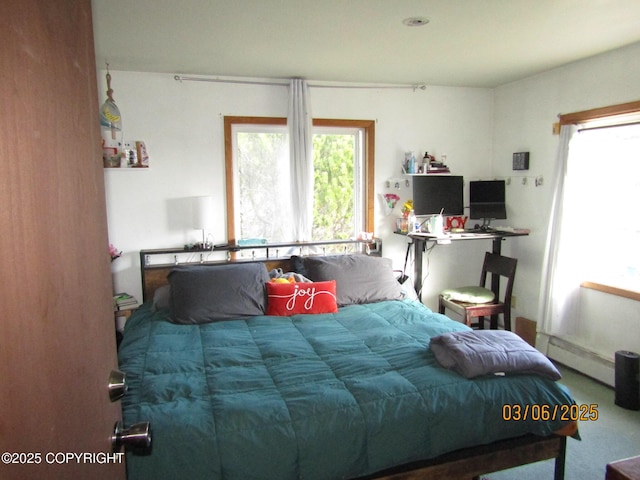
(258, 201)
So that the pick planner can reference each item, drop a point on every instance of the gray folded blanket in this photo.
(473, 353)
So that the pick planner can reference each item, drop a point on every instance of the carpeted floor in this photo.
(615, 435)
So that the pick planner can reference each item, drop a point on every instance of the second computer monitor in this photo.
(487, 200)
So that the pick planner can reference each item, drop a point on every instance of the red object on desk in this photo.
(456, 222)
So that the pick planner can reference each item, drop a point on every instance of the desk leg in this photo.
(495, 279)
(418, 248)
(497, 245)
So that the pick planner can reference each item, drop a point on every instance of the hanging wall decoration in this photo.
(111, 129)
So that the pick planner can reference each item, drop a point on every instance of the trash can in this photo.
(627, 382)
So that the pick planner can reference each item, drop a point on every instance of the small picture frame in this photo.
(521, 161)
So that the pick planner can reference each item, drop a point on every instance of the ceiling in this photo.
(477, 43)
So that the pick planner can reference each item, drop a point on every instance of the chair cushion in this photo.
(468, 294)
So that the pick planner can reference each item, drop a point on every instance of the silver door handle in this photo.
(117, 385)
(137, 437)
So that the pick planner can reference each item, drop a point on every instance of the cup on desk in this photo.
(402, 225)
(436, 225)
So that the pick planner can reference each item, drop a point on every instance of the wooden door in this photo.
(57, 343)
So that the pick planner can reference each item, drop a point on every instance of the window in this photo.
(602, 197)
(338, 183)
(593, 229)
(596, 242)
(258, 202)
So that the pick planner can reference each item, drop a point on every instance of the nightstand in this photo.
(121, 317)
(123, 307)
(626, 469)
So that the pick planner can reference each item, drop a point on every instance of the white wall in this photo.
(523, 116)
(182, 125)
(478, 129)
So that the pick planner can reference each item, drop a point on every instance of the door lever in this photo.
(117, 385)
(136, 438)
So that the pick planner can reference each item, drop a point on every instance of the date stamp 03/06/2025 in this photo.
(536, 412)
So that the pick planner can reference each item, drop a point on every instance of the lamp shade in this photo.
(202, 212)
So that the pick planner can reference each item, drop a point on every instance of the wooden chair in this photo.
(496, 265)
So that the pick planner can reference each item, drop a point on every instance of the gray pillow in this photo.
(203, 294)
(359, 278)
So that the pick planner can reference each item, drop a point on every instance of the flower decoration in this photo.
(391, 199)
(407, 207)
(113, 251)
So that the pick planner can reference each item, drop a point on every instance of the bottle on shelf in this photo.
(410, 162)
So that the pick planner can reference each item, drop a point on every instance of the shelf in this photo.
(267, 251)
(270, 253)
(426, 174)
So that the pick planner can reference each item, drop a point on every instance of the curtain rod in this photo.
(281, 82)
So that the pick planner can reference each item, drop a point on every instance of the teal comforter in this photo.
(310, 396)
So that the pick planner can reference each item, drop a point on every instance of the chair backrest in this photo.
(499, 265)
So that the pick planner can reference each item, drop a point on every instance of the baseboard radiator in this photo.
(582, 359)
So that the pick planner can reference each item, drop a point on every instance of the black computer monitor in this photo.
(487, 200)
(433, 194)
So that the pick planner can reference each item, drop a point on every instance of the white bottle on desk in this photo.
(412, 222)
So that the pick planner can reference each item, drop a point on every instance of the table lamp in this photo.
(203, 217)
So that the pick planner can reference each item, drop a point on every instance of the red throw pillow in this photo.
(285, 299)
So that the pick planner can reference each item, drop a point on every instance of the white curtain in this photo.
(593, 235)
(299, 122)
(559, 286)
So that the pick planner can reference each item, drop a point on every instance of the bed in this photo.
(238, 384)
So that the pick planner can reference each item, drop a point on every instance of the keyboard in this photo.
(501, 228)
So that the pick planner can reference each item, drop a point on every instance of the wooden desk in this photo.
(420, 241)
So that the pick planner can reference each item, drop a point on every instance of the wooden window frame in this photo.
(583, 116)
(368, 126)
(597, 113)
(619, 292)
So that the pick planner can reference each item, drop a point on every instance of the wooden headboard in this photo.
(156, 264)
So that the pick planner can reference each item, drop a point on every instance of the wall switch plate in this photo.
(521, 161)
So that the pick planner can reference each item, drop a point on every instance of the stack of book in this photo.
(124, 301)
(437, 167)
